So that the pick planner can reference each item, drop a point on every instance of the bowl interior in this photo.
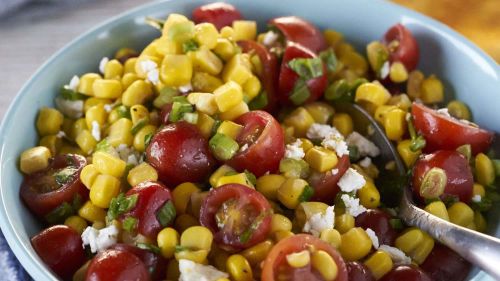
(468, 74)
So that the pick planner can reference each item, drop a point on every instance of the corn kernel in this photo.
(182, 194)
(140, 137)
(332, 37)
(167, 239)
(152, 48)
(395, 124)
(355, 62)
(88, 175)
(485, 171)
(461, 214)
(77, 128)
(228, 95)
(205, 34)
(197, 237)
(141, 173)
(128, 79)
(355, 236)
(225, 49)
(438, 208)
(280, 223)
(206, 61)
(52, 142)
(280, 235)
(104, 189)
(268, 185)
(240, 178)
(244, 30)
(204, 82)
(204, 102)
(478, 189)
(77, 223)
(176, 70)
(372, 93)
(459, 110)
(431, 90)
(239, 268)
(300, 119)
(480, 222)
(398, 72)
(235, 112)
(86, 85)
(137, 93)
(185, 221)
(290, 191)
(205, 124)
(332, 237)
(113, 70)
(306, 210)
(220, 172)
(369, 195)
(199, 256)
(93, 101)
(408, 156)
(86, 141)
(91, 212)
(107, 88)
(96, 113)
(34, 159)
(252, 87)
(49, 121)
(402, 101)
(416, 244)
(129, 66)
(298, 259)
(257, 253)
(119, 133)
(230, 129)
(107, 164)
(321, 159)
(344, 223)
(237, 69)
(227, 32)
(343, 122)
(325, 265)
(321, 112)
(379, 263)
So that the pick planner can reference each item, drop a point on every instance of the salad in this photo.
(218, 153)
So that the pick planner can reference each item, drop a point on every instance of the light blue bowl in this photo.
(468, 73)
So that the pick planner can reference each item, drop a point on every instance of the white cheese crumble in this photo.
(73, 83)
(96, 131)
(397, 256)
(269, 38)
(99, 240)
(128, 154)
(148, 65)
(476, 198)
(336, 143)
(70, 108)
(294, 150)
(366, 162)
(185, 88)
(60, 134)
(132, 160)
(244, 147)
(352, 205)
(334, 171)
(319, 222)
(384, 70)
(108, 107)
(320, 131)
(373, 237)
(365, 146)
(191, 271)
(444, 112)
(102, 64)
(351, 181)
(153, 76)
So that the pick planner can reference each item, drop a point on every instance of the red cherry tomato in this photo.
(406, 273)
(180, 153)
(116, 265)
(265, 142)
(300, 31)
(358, 272)
(442, 132)
(220, 14)
(275, 263)
(443, 264)
(288, 78)
(458, 172)
(60, 182)
(402, 46)
(165, 113)
(325, 184)
(156, 264)
(60, 248)
(239, 216)
(378, 221)
(152, 196)
(269, 75)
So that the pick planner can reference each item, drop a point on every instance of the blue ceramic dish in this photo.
(468, 73)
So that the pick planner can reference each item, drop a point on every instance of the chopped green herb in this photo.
(223, 147)
(104, 146)
(71, 95)
(484, 205)
(165, 96)
(417, 144)
(123, 111)
(251, 177)
(307, 68)
(496, 164)
(120, 205)
(181, 99)
(354, 154)
(355, 84)
(339, 91)
(189, 46)
(156, 23)
(178, 110)
(300, 92)
(294, 168)
(190, 117)
(306, 194)
(396, 224)
(166, 214)
(147, 139)
(329, 58)
(149, 247)
(180, 248)
(129, 224)
(77, 202)
(60, 213)
(259, 102)
(65, 175)
(139, 125)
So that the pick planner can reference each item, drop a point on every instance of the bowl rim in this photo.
(28, 259)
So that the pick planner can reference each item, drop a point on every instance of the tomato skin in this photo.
(378, 221)
(358, 272)
(180, 153)
(244, 195)
(43, 203)
(407, 273)
(165, 113)
(444, 264)
(116, 265)
(288, 77)
(265, 153)
(219, 13)
(60, 248)
(300, 31)
(442, 132)
(407, 51)
(325, 184)
(156, 264)
(459, 175)
(151, 197)
(297, 243)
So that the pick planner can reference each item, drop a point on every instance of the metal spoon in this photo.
(479, 249)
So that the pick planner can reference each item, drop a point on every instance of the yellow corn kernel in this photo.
(306, 144)
(478, 189)
(104, 188)
(459, 110)
(373, 93)
(379, 263)
(141, 173)
(280, 223)
(140, 137)
(185, 221)
(107, 88)
(300, 119)
(225, 49)
(239, 268)
(480, 222)
(228, 95)
(167, 239)
(204, 102)
(355, 236)
(138, 113)
(354, 62)
(99, 225)
(205, 124)
(321, 112)
(344, 223)
(252, 87)
(485, 171)
(438, 208)
(171, 20)
(220, 172)
(369, 195)
(176, 70)
(325, 265)
(408, 156)
(204, 82)
(398, 72)
(119, 133)
(70, 149)
(431, 90)
(205, 60)
(205, 34)
(321, 159)
(237, 69)
(77, 223)
(49, 121)
(268, 185)
(67, 126)
(235, 112)
(88, 175)
(332, 237)
(107, 164)
(129, 66)
(415, 243)
(182, 194)
(289, 134)
(86, 141)
(34, 159)
(298, 259)
(96, 113)
(332, 37)
(197, 238)
(343, 122)
(113, 70)
(137, 93)
(257, 253)
(91, 212)
(165, 46)
(128, 79)
(382, 111)
(227, 32)
(52, 142)
(86, 85)
(280, 235)
(244, 30)
(152, 48)
(402, 101)
(199, 256)
(306, 210)
(93, 101)
(461, 214)
(395, 124)
(290, 192)
(413, 87)
(230, 129)
(240, 178)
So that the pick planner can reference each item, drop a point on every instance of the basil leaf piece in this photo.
(71, 95)
(306, 194)
(329, 58)
(60, 213)
(129, 224)
(121, 204)
(166, 214)
(307, 69)
(259, 102)
(300, 92)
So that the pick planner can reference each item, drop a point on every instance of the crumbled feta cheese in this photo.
(185, 88)
(148, 65)
(408, 116)
(351, 181)
(191, 271)
(352, 205)
(319, 222)
(366, 162)
(320, 131)
(244, 147)
(99, 240)
(61, 134)
(70, 108)
(373, 237)
(444, 112)
(337, 143)
(102, 64)
(397, 256)
(365, 146)
(153, 76)
(73, 83)
(108, 107)
(476, 198)
(96, 131)
(132, 160)
(295, 150)
(384, 70)
(269, 38)
(334, 171)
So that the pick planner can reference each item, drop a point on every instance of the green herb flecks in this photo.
(307, 69)
(65, 175)
(166, 214)
(120, 205)
(129, 224)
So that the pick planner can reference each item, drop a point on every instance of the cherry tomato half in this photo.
(156, 264)
(442, 132)
(275, 263)
(402, 46)
(406, 273)
(358, 272)
(444, 264)
(265, 142)
(116, 265)
(378, 221)
(289, 78)
(60, 182)
(325, 184)
(60, 248)
(239, 216)
(219, 13)
(180, 154)
(300, 31)
(458, 172)
(152, 197)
